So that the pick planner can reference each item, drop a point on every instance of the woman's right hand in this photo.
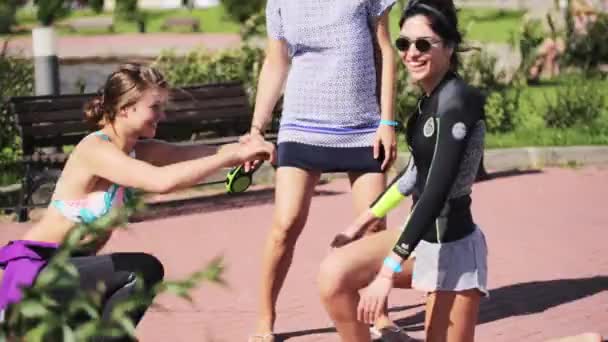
(249, 150)
(253, 135)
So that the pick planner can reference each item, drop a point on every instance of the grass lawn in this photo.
(534, 98)
(532, 131)
(212, 19)
(480, 24)
(490, 25)
(528, 137)
(545, 137)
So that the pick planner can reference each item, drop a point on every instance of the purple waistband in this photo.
(21, 260)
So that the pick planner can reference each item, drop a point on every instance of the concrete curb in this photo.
(495, 160)
(539, 157)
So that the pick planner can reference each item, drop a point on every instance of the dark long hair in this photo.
(444, 22)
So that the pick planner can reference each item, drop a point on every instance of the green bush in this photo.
(580, 103)
(479, 69)
(240, 10)
(200, 67)
(16, 79)
(126, 10)
(254, 26)
(40, 318)
(49, 11)
(501, 108)
(502, 101)
(407, 95)
(96, 5)
(589, 50)
(8, 10)
(527, 40)
(547, 137)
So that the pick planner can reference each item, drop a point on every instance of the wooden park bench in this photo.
(213, 113)
(189, 22)
(89, 23)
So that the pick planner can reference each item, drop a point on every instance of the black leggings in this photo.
(118, 273)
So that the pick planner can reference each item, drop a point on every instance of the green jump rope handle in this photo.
(238, 180)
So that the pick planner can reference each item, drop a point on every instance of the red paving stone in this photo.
(548, 263)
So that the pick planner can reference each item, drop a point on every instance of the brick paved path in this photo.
(546, 231)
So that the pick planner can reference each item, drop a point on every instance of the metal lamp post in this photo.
(46, 62)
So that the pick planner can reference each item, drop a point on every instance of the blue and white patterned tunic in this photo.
(330, 97)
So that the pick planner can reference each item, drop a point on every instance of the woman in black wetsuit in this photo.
(446, 137)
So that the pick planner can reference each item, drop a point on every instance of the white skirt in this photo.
(452, 266)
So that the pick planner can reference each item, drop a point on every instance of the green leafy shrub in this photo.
(527, 40)
(38, 317)
(407, 95)
(49, 11)
(8, 11)
(580, 103)
(240, 10)
(479, 69)
(96, 5)
(501, 109)
(128, 10)
(589, 50)
(200, 67)
(502, 101)
(16, 79)
(125, 9)
(255, 25)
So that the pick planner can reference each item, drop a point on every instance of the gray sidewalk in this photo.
(128, 45)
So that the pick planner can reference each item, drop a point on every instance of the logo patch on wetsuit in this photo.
(403, 249)
(459, 131)
(429, 127)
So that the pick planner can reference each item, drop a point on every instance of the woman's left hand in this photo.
(386, 139)
(373, 298)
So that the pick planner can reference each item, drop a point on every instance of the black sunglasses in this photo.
(422, 44)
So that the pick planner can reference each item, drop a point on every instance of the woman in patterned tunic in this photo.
(446, 137)
(333, 120)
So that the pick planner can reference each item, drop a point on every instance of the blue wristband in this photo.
(393, 265)
(389, 123)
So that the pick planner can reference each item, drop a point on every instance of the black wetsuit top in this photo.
(446, 137)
